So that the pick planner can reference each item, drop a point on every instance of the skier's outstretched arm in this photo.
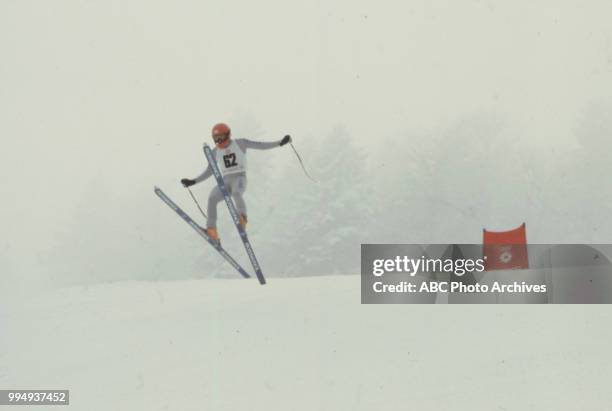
(245, 143)
(207, 173)
(187, 182)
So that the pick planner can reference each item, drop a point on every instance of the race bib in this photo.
(231, 159)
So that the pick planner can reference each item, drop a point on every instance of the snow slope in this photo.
(299, 344)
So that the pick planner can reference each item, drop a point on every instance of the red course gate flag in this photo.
(505, 250)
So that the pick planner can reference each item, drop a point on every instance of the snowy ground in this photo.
(299, 344)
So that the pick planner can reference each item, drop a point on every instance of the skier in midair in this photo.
(231, 158)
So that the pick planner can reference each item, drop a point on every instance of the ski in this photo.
(198, 229)
(234, 213)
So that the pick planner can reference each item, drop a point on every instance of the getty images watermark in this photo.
(459, 267)
(467, 273)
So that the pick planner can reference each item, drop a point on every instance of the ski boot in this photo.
(213, 234)
(243, 221)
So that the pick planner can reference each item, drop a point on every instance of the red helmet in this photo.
(221, 134)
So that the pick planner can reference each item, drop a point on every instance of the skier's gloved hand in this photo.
(285, 140)
(187, 182)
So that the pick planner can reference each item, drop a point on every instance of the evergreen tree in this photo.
(319, 226)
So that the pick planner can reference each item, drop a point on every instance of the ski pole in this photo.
(302, 163)
(196, 201)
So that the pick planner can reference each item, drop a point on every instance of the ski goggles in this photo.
(220, 138)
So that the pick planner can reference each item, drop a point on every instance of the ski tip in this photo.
(155, 188)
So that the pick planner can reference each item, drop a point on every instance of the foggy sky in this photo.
(121, 95)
